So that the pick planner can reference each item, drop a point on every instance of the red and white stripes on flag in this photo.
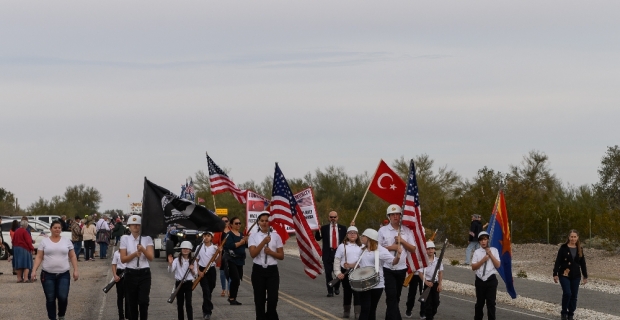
(413, 219)
(285, 210)
(220, 182)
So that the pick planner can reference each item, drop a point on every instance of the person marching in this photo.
(118, 268)
(207, 273)
(369, 299)
(179, 268)
(331, 234)
(570, 264)
(346, 257)
(426, 274)
(235, 247)
(395, 274)
(486, 279)
(416, 285)
(136, 252)
(265, 248)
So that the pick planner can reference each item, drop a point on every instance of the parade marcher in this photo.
(416, 285)
(369, 299)
(118, 268)
(53, 255)
(426, 275)
(235, 255)
(474, 228)
(395, 274)
(208, 273)
(484, 262)
(22, 252)
(570, 265)
(76, 236)
(136, 252)
(89, 232)
(103, 236)
(2, 243)
(179, 268)
(331, 234)
(346, 257)
(224, 278)
(266, 249)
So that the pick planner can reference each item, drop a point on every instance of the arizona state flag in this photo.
(499, 232)
(161, 207)
(387, 185)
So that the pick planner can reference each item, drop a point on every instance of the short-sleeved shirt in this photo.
(490, 268)
(55, 255)
(117, 260)
(430, 269)
(180, 270)
(353, 253)
(386, 238)
(275, 243)
(129, 243)
(205, 254)
(368, 260)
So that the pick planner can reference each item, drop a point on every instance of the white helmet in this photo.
(371, 234)
(430, 244)
(393, 208)
(483, 233)
(135, 219)
(352, 228)
(186, 245)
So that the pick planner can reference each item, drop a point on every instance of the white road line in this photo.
(105, 295)
(515, 311)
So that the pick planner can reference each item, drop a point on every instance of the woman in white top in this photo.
(90, 234)
(265, 248)
(345, 258)
(136, 252)
(370, 298)
(206, 272)
(54, 254)
(180, 268)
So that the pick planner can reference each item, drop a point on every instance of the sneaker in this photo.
(423, 317)
(408, 313)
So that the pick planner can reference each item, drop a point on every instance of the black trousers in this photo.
(394, 280)
(486, 292)
(369, 301)
(348, 293)
(329, 266)
(236, 274)
(266, 280)
(207, 283)
(429, 307)
(121, 302)
(137, 291)
(184, 296)
(415, 287)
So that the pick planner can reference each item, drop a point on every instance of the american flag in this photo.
(412, 218)
(285, 210)
(220, 182)
(187, 190)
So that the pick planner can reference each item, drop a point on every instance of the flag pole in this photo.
(212, 195)
(365, 193)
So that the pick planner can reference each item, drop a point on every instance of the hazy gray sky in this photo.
(106, 93)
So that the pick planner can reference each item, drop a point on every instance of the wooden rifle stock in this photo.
(210, 262)
(408, 279)
(191, 262)
(112, 283)
(427, 291)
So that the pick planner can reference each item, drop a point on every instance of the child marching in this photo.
(207, 273)
(429, 307)
(179, 268)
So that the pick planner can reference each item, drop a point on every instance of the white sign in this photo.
(256, 204)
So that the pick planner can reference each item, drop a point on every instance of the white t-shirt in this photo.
(275, 243)
(479, 254)
(130, 243)
(179, 271)
(55, 255)
(368, 260)
(353, 253)
(386, 238)
(102, 225)
(428, 271)
(117, 260)
(205, 254)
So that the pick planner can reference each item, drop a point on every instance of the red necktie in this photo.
(334, 240)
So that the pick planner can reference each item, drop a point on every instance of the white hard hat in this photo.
(371, 234)
(135, 219)
(430, 244)
(393, 208)
(352, 228)
(483, 233)
(186, 245)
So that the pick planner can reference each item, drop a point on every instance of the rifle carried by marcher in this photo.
(427, 291)
(213, 258)
(191, 262)
(112, 283)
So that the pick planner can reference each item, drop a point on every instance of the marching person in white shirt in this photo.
(485, 261)
(179, 268)
(118, 268)
(208, 273)
(136, 252)
(265, 248)
(345, 258)
(426, 274)
(395, 273)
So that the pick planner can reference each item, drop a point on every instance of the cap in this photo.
(262, 214)
(483, 233)
(352, 228)
(394, 208)
(186, 245)
(371, 234)
(476, 216)
(207, 232)
(135, 219)
(430, 244)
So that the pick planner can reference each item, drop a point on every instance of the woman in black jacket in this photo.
(570, 264)
(236, 243)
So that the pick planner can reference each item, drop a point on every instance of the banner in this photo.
(255, 204)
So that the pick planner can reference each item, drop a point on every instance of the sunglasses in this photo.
(237, 223)
(333, 217)
(225, 221)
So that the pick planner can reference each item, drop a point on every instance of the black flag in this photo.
(162, 207)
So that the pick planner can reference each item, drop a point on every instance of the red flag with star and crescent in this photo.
(387, 185)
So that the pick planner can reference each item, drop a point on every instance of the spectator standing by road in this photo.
(22, 252)
(474, 228)
(103, 235)
(118, 231)
(76, 236)
(570, 264)
(63, 223)
(89, 232)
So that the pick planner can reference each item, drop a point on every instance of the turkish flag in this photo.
(387, 185)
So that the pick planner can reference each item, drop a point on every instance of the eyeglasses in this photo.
(333, 217)
(225, 221)
(237, 223)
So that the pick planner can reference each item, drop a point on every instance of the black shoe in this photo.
(337, 291)
(329, 295)
(408, 313)
(234, 302)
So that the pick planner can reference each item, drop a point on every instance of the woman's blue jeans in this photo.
(56, 287)
(570, 289)
(225, 284)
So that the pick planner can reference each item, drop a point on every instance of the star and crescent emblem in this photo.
(384, 175)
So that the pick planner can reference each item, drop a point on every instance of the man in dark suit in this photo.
(332, 235)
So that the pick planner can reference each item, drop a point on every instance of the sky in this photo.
(107, 93)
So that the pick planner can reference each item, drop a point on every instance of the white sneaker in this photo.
(423, 317)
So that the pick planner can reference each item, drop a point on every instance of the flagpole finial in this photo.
(207, 153)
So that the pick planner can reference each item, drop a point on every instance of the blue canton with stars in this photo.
(412, 185)
(282, 189)
(213, 168)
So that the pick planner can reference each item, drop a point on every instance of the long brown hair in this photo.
(579, 248)
(358, 240)
(371, 244)
(189, 257)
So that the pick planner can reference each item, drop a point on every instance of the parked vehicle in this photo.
(38, 231)
(177, 234)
